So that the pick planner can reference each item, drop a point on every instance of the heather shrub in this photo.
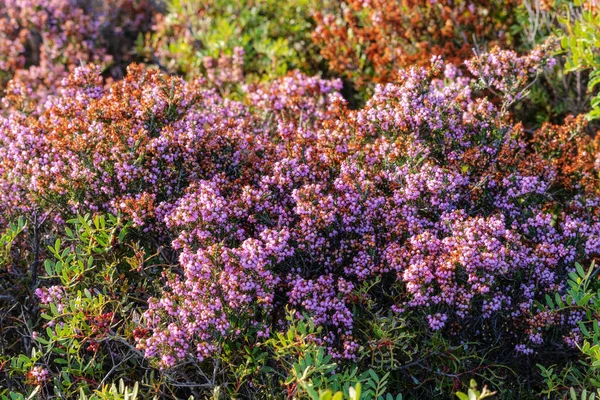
(369, 41)
(42, 41)
(315, 211)
(136, 146)
(224, 237)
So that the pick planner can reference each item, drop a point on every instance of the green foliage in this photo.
(113, 392)
(584, 395)
(474, 394)
(7, 239)
(92, 241)
(564, 90)
(582, 295)
(20, 396)
(107, 392)
(581, 41)
(274, 35)
(86, 336)
(354, 393)
(313, 374)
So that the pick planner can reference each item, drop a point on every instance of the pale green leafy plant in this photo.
(581, 42)
(473, 393)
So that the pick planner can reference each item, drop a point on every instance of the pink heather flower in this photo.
(50, 295)
(523, 349)
(38, 375)
(437, 321)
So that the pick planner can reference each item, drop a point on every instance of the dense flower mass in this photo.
(42, 41)
(426, 186)
(291, 199)
(402, 220)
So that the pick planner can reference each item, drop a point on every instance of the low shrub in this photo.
(369, 41)
(579, 39)
(41, 42)
(167, 226)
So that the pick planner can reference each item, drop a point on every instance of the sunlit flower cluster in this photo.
(41, 41)
(428, 196)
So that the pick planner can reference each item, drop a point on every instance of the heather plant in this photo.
(208, 250)
(168, 226)
(369, 41)
(158, 136)
(43, 41)
(476, 249)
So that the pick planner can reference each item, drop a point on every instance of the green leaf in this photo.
(312, 392)
(585, 299)
(583, 328)
(580, 270)
(326, 395)
(34, 393)
(48, 267)
(559, 301)
(594, 79)
(374, 375)
(549, 302)
(355, 392)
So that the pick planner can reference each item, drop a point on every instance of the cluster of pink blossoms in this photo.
(428, 195)
(506, 73)
(53, 294)
(426, 187)
(41, 41)
(38, 375)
